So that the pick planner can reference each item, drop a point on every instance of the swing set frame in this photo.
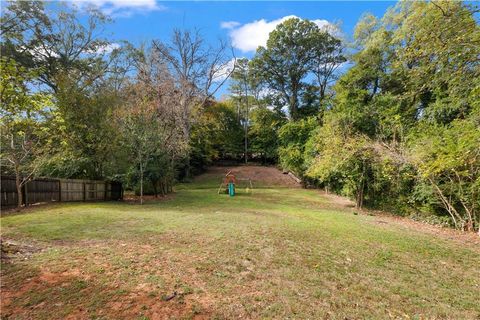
(230, 178)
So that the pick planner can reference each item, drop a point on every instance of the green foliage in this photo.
(149, 140)
(359, 167)
(55, 40)
(293, 137)
(404, 122)
(448, 157)
(84, 140)
(263, 133)
(295, 50)
(23, 122)
(217, 134)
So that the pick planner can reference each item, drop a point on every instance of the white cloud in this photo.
(250, 36)
(108, 48)
(229, 24)
(224, 70)
(122, 8)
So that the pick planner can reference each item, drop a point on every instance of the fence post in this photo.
(84, 192)
(59, 190)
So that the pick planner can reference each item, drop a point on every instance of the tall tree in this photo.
(140, 135)
(22, 123)
(328, 56)
(198, 71)
(241, 88)
(56, 40)
(296, 49)
(263, 133)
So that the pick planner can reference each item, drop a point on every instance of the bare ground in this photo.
(260, 175)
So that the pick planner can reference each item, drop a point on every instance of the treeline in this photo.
(399, 130)
(77, 105)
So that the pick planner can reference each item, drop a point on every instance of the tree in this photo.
(147, 118)
(22, 123)
(292, 139)
(197, 70)
(245, 89)
(284, 63)
(263, 133)
(327, 58)
(22, 16)
(141, 134)
(436, 54)
(84, 72)
(216, 134)
(85, 136)
(296, 49)
(448, 158)
(57, 43)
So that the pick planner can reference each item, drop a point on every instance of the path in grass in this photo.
(275, 253)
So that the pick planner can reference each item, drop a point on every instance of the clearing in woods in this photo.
(278, 252)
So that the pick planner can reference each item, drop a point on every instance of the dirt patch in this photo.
(29, 208)
(134, 199)
(385, 218)
(338, 201)
(260, 175)
(15, 250)
(49, 292)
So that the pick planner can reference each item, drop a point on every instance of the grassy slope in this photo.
(277, 253)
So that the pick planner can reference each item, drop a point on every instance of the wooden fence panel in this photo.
(9, 192)
(65, 190)
(41, 190)
(95, 190)
(72, 190)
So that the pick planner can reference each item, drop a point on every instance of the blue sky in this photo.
(244, 23)
(137, 24)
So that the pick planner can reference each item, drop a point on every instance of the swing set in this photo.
(230, 182)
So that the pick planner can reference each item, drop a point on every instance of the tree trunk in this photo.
(165, 186)
(360, 189)
(447, 205)
(141, 184)
(359, 201)
(246, 124)
(294, 107)
(186, 130)
(187, 167)
(154, 184)
(18, 184)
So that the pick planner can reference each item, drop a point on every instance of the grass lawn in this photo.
(275, 253)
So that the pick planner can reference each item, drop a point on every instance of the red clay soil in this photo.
(265, 176)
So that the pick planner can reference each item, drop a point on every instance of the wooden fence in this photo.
(50, 190)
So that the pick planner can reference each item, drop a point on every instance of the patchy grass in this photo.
(274, 253)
